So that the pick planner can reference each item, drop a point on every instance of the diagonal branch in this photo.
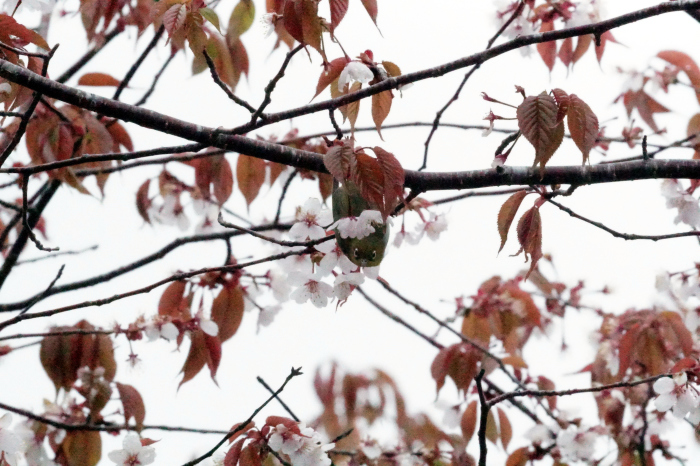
(272, 84)
(139, 61)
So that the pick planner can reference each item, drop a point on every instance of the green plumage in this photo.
(365, 252)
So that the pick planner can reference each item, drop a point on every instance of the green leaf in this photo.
(240, 21)
(211, 16)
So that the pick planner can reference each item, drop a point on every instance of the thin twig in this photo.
(56, 334)
(89, 55)
(223, 86)
(617, 234)
(271, 85)
(243, 425)
(287, 182)
(483, 418)
(336, 127)
(284, 405)
(139, 61)
(30, 229)
(46, 291)
(455, 97)
(157, 76)
(274, 240)
(57, 254)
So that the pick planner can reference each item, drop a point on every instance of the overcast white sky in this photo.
(415, 34)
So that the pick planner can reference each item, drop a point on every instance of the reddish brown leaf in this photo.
(227, 311)
(543, 383)
(120, 137)
(367, 175)
(143, 202)
(250, 456)
(600, 49)
(562, 100)
(276, 169)
(468, 421)
(381, 106)
(339, 160)
(626, 347)
(506, 215)
(537, 120)
(371, 7)
(491, 428)
(530, 236)
(505, 428)
(547, 50)
(239, 61)
(566, 51)
(82, 448)
(519, 457)
(132, 403)
(172, 302)
(311, 23)
(325, 185)
(11, 30)
(685, 338)
(683, 365)
(645, 105)
(250, 174)
(685, 63)
(582, 46)
(234, 453)
(694, 129)
(331, 74)
(338, 10)
(583, 125)
(197, 357)
(98, 79)
(514, 360)
(391, 69)
(292, 20)
(393, 175)
(174, 18)
(459, 362)
(213, 346)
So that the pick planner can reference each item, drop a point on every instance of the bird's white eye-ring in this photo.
(356, 252)
(374, 255)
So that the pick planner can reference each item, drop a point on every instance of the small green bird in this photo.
(367, 251)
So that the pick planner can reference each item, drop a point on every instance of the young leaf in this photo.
(339, 159)
(547, 50)
(537, 117)
(381, 105)
(325, 185)
(211, 16)
(506, 215)
(143, 202)
(234, 453)
(227, 311)
(519, 457)
(371, 7)
(645, 105)
(391, 69)
(686, 64)
(491, 428)
(367, 175)
(338, 10)
(505, 427)
(459, 362)
(172, 302)
(132, 403)
(213, 346)
(562, 100)
(393, 175)
(98, 79)
(600, 49)
(240, 20)
(530, 237)
(250, 174)
(329, 75)
(196, 358)
(582, 46)
(566, 51)
(468, 421)
(583, 125)
(82, 448)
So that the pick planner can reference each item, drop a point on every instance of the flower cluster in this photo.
(305, 448)
(134, 452)
(678, 198)
(676, 394)
(358, 227)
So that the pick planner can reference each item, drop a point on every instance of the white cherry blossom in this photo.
(678, 198)
(403, 235)
(371, 272)
(309, 218)
(354, 71)
(11, 444)
(267, 315)
(675, 393)
(209, 327)
(279, 286)
(344, 284)
(577, 444)
(358, 227)
(433, 227)
(133, 453)
(159, 328)
(310, 288)
(296, 262)
(333, 256)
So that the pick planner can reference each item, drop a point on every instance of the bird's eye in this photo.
(356, 252)
(374, 255)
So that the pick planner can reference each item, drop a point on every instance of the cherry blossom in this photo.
(295, 262)
(371, 272)
(433, 227)
(403, 235)
(304, 449)
(451, 417)
(170, 212)
(354, 71)
(577, 444)
(269, 21)
(279, 286)
(267, 315)
(309, 218)
(35, 453)
(11, 444)
(344, 284)
(675, 393)
(161, 329)
(333, 256)
(133, 453)
(209, 327)
(519, 27)
(358, 227)
(678, 198)
(311, 288)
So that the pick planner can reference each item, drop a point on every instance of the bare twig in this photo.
(284, 405)
(57, 254)
(157, 76)
(273, 240)
(25, 221)
(243, 425)
(617, 234)
(272, 84)
(485, 406)
(46, 291)
(287, 182)
(139, 61)
(223, 86)
(436, 122)
(89, 55)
